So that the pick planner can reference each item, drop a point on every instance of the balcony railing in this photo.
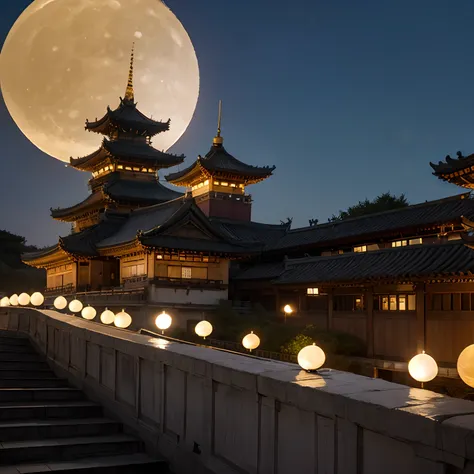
(114, 295)
(60, 290)
(188, 283)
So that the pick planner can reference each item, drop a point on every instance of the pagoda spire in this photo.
(129, 93)
(218, 140)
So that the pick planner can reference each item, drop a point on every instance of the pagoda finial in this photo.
(218, 140)
(129, 93)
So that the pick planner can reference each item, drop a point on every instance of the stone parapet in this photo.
(210, 411)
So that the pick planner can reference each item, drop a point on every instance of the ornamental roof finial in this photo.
(129, 93)
(218, 140)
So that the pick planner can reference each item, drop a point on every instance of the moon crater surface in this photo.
(65, 61)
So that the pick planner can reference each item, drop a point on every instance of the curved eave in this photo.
(93, 202)
(47, 257)
(122, 248)
(188, 176)
(90, 162)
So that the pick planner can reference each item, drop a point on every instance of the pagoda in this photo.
(459, 171)
(125, 167)
(218, 181)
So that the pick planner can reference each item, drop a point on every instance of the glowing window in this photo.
(224, 184)
(241, 186)
(136, 169)
(128, 168)
(144, 170)
(186, 272)
(402, 303)
(384, 303)
(159, 257)
(233, 185)
(411, 302)
(200, 185)
(362, 248)
(206, 183)
(415, 241)
(393, 302)
(120, 167)
(399, 243)
(312, 291)
(216, 183)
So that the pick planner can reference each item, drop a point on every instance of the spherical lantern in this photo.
(37, 299)
(423, 367)
(163, 321)
(288, 309)
(203, 329)
(75, 306)
(14, 300)
(466, 365)
(122, 320)
(251, 341)
(24, 299)
(4, 302)
(60, 302)
(107, 317)
(311, 357)
(89, 313)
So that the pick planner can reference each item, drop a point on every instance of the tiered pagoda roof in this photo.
(117, 191)
(220, 164)
(459, 171)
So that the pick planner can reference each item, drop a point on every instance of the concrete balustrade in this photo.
(213, 412)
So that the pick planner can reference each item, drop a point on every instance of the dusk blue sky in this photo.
(348, 99)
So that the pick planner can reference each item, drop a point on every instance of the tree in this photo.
(384, 202)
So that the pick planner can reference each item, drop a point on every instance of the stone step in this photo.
(126, 464)
(20, 356)
(48, 429)
(16, 348)
(24, 365)
(19, 373)
(32, 383)
(66, 449)
(49, 410)
(37, 394)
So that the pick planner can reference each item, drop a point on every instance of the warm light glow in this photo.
(5, 301)
(67, 60)
(14, 300)
(75, 306)
(311, 357)
(24, 299)
(60, 302)
(107, 317)
(466, 365)
(163, 321)
(423, 368)
(312, 291)
(288, 309)
(251, 341)
(122, 320)
(37, 299)
(89, 313)
(203, 329)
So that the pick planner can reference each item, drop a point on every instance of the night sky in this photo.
(349, 99)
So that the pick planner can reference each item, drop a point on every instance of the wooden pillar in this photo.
(420, 317)
(369, 304)
(330, 309)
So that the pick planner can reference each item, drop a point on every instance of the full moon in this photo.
(65, 61)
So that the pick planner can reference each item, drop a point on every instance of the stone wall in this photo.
(209, 411)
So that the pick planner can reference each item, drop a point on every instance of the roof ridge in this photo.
(145, 210)
(225, 220)
(459, 197)
(407, 248)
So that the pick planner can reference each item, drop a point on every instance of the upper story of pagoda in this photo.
(459, 171)
(218, 181)
(127, 146)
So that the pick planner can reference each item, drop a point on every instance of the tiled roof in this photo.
(127, 117)
(390, 264)
(142, 220)
(93, 201)
(218, 160)
(451, 165)
(261, 271)
(389, 223)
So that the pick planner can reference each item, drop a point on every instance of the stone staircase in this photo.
(45, 425)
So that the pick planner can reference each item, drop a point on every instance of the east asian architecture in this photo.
(402, 281)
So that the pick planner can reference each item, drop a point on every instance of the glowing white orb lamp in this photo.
(89, 313)
(465, 365)
(203, 329)
(107, 317)
(311, 358)
(24, 299)
(14, 300)
(251, 341)
(4, 302)
(37, 299)
(60, 302)
(75, 306)
(122, 320)
(163, 321)
(423, 367)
